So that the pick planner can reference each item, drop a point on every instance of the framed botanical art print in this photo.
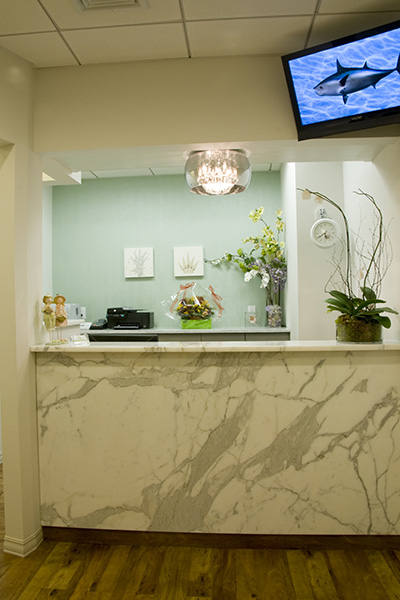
(138, 262)
(188, 261)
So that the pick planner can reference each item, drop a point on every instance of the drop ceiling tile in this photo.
(344, 6)
(40, 49)
(122, 44)
(68, 16)
(224, 9)
(277, 35)
(23, 16)
(330, 27)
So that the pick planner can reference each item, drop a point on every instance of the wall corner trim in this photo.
(22, 548)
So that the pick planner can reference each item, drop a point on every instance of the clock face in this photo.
(325, 232)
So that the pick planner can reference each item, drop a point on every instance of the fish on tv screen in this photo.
(346, 84)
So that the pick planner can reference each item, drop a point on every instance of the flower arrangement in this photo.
(370, 262)
(265, 259)
(195, 307)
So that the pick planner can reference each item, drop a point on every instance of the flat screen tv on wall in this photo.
(345, 85)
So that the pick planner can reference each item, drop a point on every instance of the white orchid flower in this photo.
(250, 274)
(265, 280)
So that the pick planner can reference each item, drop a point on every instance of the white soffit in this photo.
(116, 173)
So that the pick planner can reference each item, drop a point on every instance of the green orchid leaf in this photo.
(368, 293)
(345, 300)
(339, 295)
(366, 303)
(384, 321)
(337, 306)
(378, 311)
(390, 310)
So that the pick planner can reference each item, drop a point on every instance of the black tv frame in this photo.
(352, 123)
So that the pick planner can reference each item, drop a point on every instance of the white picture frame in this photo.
(138, 262)
(188, 261)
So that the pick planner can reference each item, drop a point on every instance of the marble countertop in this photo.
(199, 347)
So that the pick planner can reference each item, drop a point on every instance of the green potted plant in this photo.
(361, 318)
(361, 315)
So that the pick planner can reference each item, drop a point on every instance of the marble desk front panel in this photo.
(230, 442)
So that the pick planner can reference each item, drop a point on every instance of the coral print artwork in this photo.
(188, 261)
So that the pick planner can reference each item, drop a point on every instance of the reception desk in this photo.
(220, 437)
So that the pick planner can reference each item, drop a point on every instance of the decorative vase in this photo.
(274, 315)
(196, 323)
(358, 331)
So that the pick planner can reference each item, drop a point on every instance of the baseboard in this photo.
(22, 548)
(220, 540)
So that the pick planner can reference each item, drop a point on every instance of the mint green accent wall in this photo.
(94, 222)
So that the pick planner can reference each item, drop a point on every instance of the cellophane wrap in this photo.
(194, 302)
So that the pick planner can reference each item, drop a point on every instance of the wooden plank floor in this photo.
(75, 571)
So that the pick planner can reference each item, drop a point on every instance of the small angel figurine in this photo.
(60, 313)
(49, 317)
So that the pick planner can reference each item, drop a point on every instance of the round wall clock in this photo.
(325, 232)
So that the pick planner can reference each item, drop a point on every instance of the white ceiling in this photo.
(56, 33)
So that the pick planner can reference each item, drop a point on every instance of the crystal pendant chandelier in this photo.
(217, 172)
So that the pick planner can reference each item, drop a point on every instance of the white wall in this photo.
(166, 102)
(111, 106)
(380, 179)
(47, 249)
(289, 207)
(309, 274)
(20, 267)
(314, 262)
(1, 444)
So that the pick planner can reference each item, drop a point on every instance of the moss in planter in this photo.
(358, 330)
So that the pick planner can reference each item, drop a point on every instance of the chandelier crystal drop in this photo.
(217, 172)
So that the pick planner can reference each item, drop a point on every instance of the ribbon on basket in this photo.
(181, 293)
(217, 299)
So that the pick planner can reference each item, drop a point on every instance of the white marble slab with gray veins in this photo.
(262, 443)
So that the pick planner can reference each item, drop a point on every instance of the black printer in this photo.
(129, 318)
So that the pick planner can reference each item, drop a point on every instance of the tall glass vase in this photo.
(274, 315)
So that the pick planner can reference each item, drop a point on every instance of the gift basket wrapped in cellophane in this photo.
(194, 306)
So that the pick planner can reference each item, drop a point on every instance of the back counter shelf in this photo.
(245, 334)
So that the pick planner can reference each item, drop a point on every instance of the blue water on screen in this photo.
(380, 51)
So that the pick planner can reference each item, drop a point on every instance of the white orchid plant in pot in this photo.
(361, 310)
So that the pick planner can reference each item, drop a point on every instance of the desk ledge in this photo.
(273, 346)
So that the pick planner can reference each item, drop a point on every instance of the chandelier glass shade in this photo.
(217, 172)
